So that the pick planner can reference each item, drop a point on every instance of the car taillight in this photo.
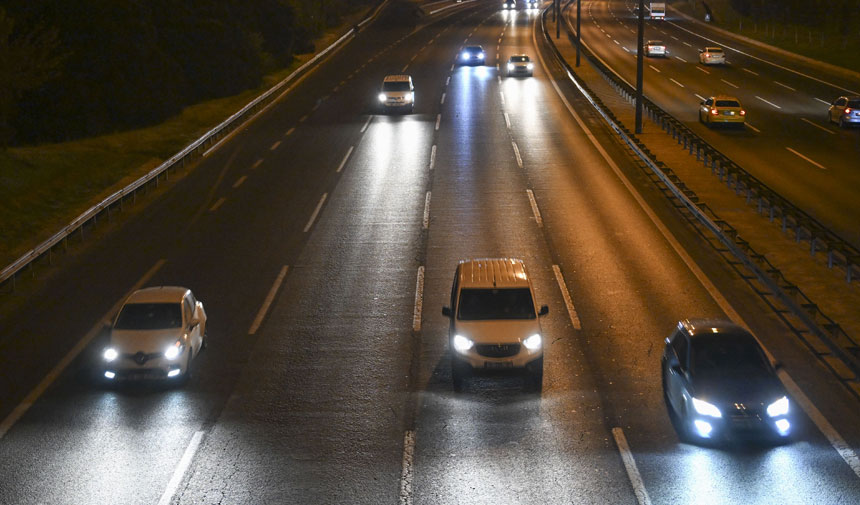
(743, 113)
(714, 112)
(848, 110)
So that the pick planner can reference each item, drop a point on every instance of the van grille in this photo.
(498, 350)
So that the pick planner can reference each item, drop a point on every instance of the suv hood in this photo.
(504, 331)
(146, 341)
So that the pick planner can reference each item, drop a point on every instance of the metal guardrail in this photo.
(838, 343)
(805, 227)
(193, 151)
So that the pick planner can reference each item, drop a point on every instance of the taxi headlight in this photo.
(174, 350)
(706, 409)
(110, 354)
(462, 344)
(533, 343)
(778, 408)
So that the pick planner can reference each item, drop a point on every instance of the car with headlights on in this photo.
(722, 109)
(712, 55)
(719, 383)
(397, 93)
(156, 335)
(520, 64)
(472, 55)
(509, 4)
(493, 322)
(656, 48)
(845, 111)
(532, 4)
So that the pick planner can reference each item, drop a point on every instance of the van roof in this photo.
(493, 273)
(397, 78)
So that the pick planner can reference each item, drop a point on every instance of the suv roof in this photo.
(695, 327)
(493, 273)
(397, 78)
(158, 294)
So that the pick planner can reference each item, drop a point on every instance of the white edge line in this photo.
(181, 468)
(366, 124)
(535, 209)
(406, 470)
(345, 158)
(73, 353)
(630, 465)
(316, 211)
(419, 297)
(426, 221)
(270, 297)
(433, 157)
(568, 302)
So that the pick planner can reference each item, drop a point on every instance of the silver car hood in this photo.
(147, 341)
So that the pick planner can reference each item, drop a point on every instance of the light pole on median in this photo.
(578, 16)
(639, 64)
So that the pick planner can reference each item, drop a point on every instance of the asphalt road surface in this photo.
(322, 239)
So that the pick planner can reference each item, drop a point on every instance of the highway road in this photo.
(322, 239)
(787, 143)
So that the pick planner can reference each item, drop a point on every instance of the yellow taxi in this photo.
(722, 109)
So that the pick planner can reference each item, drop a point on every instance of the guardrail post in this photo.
(812, 245)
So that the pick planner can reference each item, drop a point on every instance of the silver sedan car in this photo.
(845, 111)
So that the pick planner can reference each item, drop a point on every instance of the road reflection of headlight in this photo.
(461, 343)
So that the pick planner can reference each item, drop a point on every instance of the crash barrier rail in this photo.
(190, 153)
(805, 227)
(837, 342)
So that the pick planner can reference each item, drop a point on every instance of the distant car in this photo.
(712, 56)
(520, 64)
(509, 4)
(719, 383)
(156, 335)
(722, 109)
(472, 55)
(656, 48)
(845, 111)
(532, 4)
(493, 322)
(397, 93)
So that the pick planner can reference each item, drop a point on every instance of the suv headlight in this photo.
(510, 66)
(462, 344)
(382, 97)
(533, 343)
(706, 409)
(778, 408)
(110, 354)
(465, 56)
(174, 350)
(409, 97)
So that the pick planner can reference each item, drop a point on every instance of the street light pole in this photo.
(639, 65)
(578, 31)
(557, 19)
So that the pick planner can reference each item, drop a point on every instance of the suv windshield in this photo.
(726, 352)
(149, 316)
(519, 58)
(489, 303)
(395, 86)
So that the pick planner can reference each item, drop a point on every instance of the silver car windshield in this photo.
(149, 316)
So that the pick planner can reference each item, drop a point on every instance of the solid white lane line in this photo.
(654, 68)
(442, 102)
(438, 119)
(426, 221)
(217, 204)
(366, 124)
(239, 181)
(419, 300)
(703, 70)
(568, 302)
(819, 165)
(257, 163)
(517, 154)
(275, 145)
(535, 209)
(630, 465)
(676, 82)
(270, 297)
(751, 127)
(507, 121)
(181, 468)
(70, 356)
(346, 157)
(730, 84)
(290, 132)
(700, 97)
(688, 44)
(818, 126)
(786, 86)
(769, 103)
(316, 211)
(682, 59)
(823, 101)
(406, 470)
(749, 71)
(433, 157)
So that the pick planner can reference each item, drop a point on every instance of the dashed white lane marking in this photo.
(507, 121)
(239, 181)
(517, 153)
(303, 118)
(817, 126)
(819, 165)
(700, 97)
(406, 470)
(502, 94)
(749, 71)
(438, 120)
(823, 101)
(448, 80)
(426, 222)
(703, 70)
(275, 145)
(316, 211)
(628, 50)
(535, 209)
(73, 353)
(682, 59)
(419, 300)
(676, 82)
(366, 124)
(568, 302)
(442, 101)
(217, 204)
(181, 468)
(608, 36)
(257, 163)
(270, 297)
(688, 44)
(769, 103)
(289, 132)
(616, 42)
(630, 465)
(404, 68)
(786, 86)
(751, 127)
(433, 157)
(452, 67)
(654, 68)
(730, 84)
(345, 158)
(315, 107)
(674, 37)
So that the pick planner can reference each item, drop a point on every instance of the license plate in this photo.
(729, 113)
(496, 365)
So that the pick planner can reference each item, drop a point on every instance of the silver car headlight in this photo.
(174, 350)
(533, 343)
(382, 97)
(110, 354)
(462, 344)
(706, 409)
(530, 66)
(778, 408)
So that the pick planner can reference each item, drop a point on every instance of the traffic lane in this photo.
(318, 414)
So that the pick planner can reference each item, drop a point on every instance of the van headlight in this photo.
(409, 97)
(382, 97)
(778, 408)
(110, 354)
(533, 343)
(706, 409)
(462, 344)
(530, 66)
(174, 350)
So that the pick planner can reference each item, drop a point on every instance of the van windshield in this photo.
(490, 303)
(395, 86)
